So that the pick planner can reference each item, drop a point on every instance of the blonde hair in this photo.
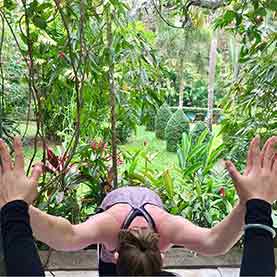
(139, 253)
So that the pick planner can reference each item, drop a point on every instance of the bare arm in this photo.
(209, 242)
(253, 183)
(60, 234)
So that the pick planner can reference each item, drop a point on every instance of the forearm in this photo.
(56, 232)
(225, 234)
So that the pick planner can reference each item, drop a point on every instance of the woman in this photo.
(134, 234)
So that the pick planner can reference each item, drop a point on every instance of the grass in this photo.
(157, 148)
(162, 160)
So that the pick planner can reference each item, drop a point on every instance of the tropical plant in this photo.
(209, 193)
(162, 118)
(197, 130)
(166, 182)
(176, 126)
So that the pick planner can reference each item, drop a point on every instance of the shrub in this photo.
(163, 116)
(123, 132)
(197, 130)
(176, 126)
(150, 119)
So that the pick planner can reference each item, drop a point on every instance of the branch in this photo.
(208, 4)
(163, 19)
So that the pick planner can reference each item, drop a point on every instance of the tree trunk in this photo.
(181, 84)
(112, 101)
(211, 79)
(181, 93)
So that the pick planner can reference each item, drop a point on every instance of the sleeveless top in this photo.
(137, 198)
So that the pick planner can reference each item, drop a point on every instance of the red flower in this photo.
(61, 55)
(119, 161)
(222, 192)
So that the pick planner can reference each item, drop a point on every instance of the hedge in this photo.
(176, 126)
(163, 116)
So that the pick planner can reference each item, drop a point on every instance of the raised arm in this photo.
(57, 232)
(60, 234)
(208, 242)
(219, 239)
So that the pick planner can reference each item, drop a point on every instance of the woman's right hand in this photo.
(260, 177)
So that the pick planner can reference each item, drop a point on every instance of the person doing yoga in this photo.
(134, 229)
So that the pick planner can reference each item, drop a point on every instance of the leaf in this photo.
(39, 22)
(9, 4)
(261, 11)
(192, 169)
(271, 4)
(202, 137)
(229, 16)
(168, 183)
(52, 158)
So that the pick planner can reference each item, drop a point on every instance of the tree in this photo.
(250, 105)
(211, 79)
(181, 47)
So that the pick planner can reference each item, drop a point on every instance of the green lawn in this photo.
(153, 146)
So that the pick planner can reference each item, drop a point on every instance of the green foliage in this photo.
(123, 132)
(197, 130)
(250, 105)
(209, 192)
(199, 189)
(163, 116)
(76, 193)
(176, 126)
(150, 116)
(8, 129)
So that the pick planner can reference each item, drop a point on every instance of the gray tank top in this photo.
(137, 198)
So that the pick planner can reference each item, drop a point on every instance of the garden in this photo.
(110, 93)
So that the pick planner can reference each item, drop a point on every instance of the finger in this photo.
(274, 165)
(19, 157)
(269, 153)
(256, 152)
(263, 150)
(233, 172)
(36, 173)
(274, 160)
(5, 156)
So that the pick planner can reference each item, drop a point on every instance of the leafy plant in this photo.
(122, 132)
(162, 118)
(209, 193)
(197, 130)
(250, 105)
(150, 116)
(176, 126)
(8, 128)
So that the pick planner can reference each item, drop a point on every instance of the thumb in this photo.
(233, 172)
(36, 173)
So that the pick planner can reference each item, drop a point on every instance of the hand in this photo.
(14, 184)
(260, 177)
